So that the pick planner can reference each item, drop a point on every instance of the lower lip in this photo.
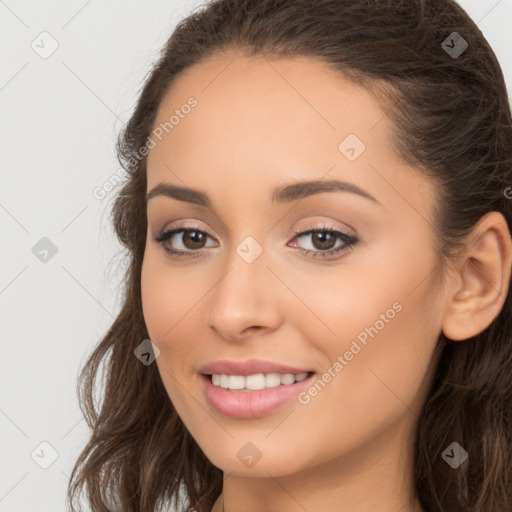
(251, 404)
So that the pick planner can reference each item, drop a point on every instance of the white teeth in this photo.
(272, 380)
(236, 382)
(256, 381)
(287, 378)
(223, 381)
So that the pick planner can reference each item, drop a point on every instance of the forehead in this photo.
(258, 121)
(261, 100)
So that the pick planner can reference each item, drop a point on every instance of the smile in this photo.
(245, 403)
(256, 381)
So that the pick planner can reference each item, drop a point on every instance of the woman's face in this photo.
(362, 320)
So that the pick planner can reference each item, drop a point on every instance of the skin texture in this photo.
(260, 124)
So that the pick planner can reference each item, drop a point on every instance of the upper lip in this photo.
(249, 367)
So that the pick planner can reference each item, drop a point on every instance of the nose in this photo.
(245, 300)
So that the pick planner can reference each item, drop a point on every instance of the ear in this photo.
(481, 280)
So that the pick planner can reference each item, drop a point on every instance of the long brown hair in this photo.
(452, 120)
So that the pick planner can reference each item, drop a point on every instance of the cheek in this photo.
(382, 321)
(388, 358)
(376, 368)
(168, 298)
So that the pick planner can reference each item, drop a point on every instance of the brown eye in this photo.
(323, 240)
(191, 242)
(193, 239)
(182, 241)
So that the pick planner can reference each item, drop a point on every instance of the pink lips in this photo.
(249, 367)
(250, 404)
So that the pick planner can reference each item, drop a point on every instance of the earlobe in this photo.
(482, 279)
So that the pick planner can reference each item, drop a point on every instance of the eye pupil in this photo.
(196, 237)
(324, 237)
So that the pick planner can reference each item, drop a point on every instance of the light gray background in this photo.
(60, 117)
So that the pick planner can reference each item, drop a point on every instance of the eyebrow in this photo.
(280, 195)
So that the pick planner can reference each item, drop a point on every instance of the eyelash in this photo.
(349, 241)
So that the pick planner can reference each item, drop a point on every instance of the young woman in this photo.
(317, 310)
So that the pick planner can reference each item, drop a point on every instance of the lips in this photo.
(249, 367)
(243, 404)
